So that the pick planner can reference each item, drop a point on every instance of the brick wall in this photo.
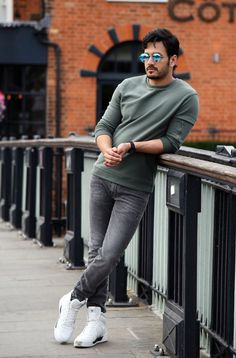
(78, 24)
(26, 10)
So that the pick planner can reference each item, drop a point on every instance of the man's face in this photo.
(157, 70)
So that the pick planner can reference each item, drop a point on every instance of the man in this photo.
(148, 115)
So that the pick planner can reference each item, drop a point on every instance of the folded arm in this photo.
(114, 155)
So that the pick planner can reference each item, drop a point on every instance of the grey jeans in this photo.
(115, 212)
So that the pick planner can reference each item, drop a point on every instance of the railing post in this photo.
(223, 288)
(28, 222)
(74, 244)
(58, 220)
(118, 278)
(117, 288)
(145, 272)
(180, 326)
(5, 201)
(16, 187)
(44, 197)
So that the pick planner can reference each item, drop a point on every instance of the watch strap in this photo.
(132, 147)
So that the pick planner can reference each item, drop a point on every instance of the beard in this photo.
(155, 74)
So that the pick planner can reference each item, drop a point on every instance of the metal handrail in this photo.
(209, 166)
(83, 142)
(200, 167)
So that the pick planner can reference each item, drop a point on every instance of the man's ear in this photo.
(173, 61)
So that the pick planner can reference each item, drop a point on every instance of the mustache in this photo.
(151, 67)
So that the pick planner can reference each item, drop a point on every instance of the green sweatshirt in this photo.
(140, 112)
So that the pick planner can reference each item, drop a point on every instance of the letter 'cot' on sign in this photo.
(208, 11)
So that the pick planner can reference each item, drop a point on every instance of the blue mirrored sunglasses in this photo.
(155, 57)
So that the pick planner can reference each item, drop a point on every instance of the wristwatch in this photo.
(132, 148)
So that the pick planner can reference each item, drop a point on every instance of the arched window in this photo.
(117, 64)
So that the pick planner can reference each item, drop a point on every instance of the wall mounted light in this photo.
(216, 57)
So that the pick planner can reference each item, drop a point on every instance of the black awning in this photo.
(21, 45)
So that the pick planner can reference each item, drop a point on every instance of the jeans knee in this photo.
(92, 254)
(107, 259)
(111, 259)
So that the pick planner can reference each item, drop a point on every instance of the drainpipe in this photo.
(57, 51)
(58, 152)
(43, 8)
(42, 28)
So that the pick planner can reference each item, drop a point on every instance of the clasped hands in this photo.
(114, 156)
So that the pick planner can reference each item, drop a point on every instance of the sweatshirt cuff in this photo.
(102, 132)
(168, 147)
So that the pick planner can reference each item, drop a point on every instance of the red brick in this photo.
(78, 24)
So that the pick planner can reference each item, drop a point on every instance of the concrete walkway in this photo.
(31, 282)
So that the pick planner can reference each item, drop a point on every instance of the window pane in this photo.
(109, 63)
(119, 63)
(123, 59)
(35, 108)
(25, 92)
(107, 90)
(35, 78)
(1, 78)
(141, 68)
(118, 60)
(14, 110)
(13, 78)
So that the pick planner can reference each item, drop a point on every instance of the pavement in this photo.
(31, 282)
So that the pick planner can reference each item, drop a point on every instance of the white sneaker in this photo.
(65, 325)
(95, 331)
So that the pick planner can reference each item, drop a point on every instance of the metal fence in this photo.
(43, 203)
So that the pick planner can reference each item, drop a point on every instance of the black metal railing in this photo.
(146, 249)
(223, 272)
(180, 326)
(35, 188)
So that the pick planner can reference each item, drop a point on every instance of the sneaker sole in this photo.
(87, 345)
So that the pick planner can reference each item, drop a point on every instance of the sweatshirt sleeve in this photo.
(112, 116)
(181, 124)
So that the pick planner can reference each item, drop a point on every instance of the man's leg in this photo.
(115, 214)
(100, 210)
(113, 225)
(126, 214)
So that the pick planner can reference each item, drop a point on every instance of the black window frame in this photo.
(26, 122)
(113, 78)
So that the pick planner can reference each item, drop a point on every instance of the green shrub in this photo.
(207, 145)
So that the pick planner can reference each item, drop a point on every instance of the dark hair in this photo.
(170, 41)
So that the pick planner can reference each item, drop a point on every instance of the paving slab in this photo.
(31, 282)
